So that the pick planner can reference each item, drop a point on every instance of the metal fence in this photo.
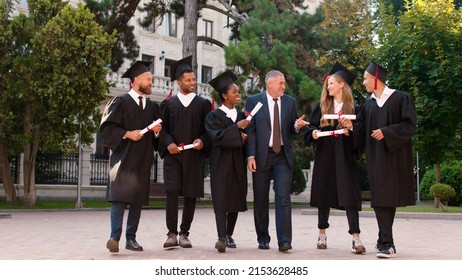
(63, 169)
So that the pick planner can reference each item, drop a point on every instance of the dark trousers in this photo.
(225, 223)
(277, 168)
(117, 216)
(352, 217)
(385, 217)
(189, 208)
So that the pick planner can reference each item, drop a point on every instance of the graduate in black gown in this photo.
(131, 153)
(183, 124)
(385, 126)
(335, 181)
(228, 173)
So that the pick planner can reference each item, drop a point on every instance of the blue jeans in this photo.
(117, 216)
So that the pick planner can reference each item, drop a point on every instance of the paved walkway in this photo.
(82, 235)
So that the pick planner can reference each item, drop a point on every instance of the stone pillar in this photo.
(160, 169)
(85, 169)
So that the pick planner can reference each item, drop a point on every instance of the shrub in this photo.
(451, 174)
(443, 192)
(298, 179)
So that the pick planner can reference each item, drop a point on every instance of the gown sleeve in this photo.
(111, 129)
(397, 134)
(220, 135)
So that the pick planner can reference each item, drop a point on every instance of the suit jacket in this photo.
(259, 129)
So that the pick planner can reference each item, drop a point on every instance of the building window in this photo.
(170, 24)
(150, 58)
(151, 27)
(206, 74)
(208, 29)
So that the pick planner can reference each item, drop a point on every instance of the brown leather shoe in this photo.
(171, 241)
(284, 247)
(184, 241)
(113, 245)
(221, 245)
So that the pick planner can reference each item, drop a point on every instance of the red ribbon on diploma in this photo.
(340, 113)
(248, 114)
(181, 146)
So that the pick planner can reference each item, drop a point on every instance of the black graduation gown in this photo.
(335, 178)
(183, 125)
(389, 162)
(228, 173)
(130, 161)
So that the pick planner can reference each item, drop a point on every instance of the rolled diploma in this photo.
(336, 116)
(330, 133)
(254, 111)
(151, 126)
(187, 147)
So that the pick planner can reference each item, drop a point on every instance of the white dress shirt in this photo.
(271, 112)
(230, 113)
(136, 96)
(186, 99)
(384, 97)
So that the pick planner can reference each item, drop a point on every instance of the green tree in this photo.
(422, 54)
(116, 15)
(8, 120)
(58, 74)
(280, 36)
(352, 23)
(279, 39)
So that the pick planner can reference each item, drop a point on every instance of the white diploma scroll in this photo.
(187, 147)
(336, 116)
(254, 111)
(330, 133)
(151, 126)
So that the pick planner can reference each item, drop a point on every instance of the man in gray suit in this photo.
(270, 156)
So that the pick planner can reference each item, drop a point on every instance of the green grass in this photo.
(425, 207)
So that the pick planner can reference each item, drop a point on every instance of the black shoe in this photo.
(263, 245)
(113, 245)
(284, 247)
(378, 246)
(230, 242)
(387, 251)
(133, 245)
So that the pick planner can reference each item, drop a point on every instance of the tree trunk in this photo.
(436, 201)
(7, 180)
(30, 154)
(189, 38)
(437, 173)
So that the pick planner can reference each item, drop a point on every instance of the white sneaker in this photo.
(322, 241)
(357, 247)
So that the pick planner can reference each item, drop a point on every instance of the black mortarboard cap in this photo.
(179, 67)
(223, 80)
(138, 68)
(340, 70)
(377, 71)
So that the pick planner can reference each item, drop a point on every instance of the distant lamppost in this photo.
(78, 203)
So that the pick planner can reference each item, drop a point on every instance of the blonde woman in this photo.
(335, 181)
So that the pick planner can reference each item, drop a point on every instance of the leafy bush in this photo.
(443, 192)
(451, 174)
(298, 179)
